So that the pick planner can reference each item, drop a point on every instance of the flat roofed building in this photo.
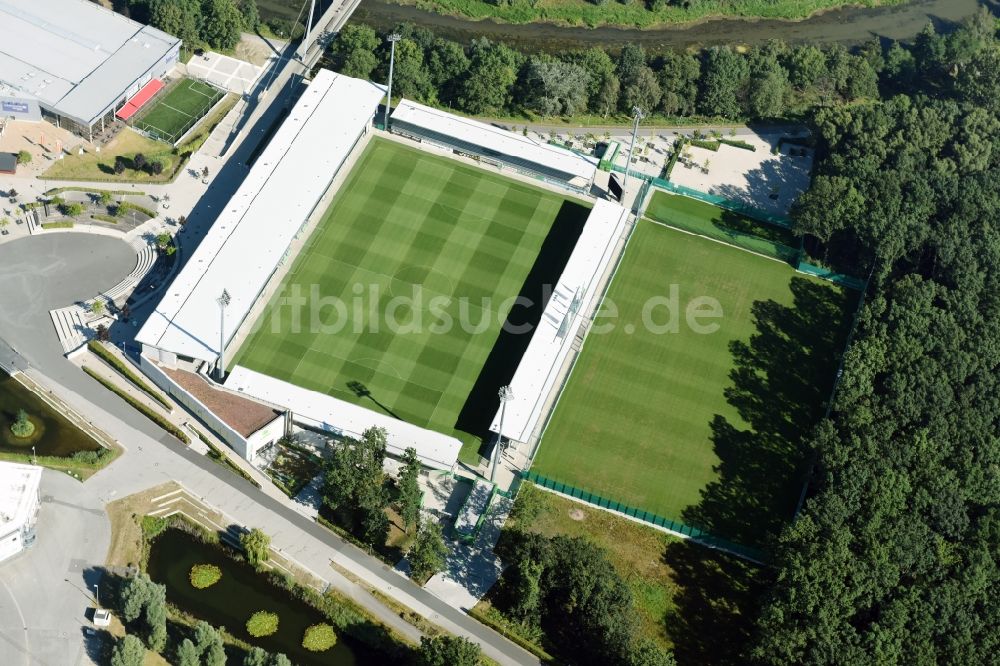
(252, 235)
(19, 501)
(493, 144)
(76, 61)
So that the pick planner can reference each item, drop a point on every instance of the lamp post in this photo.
(639, 115)
(506, 395)
(223, 302)
(393, 38)
(305, 37)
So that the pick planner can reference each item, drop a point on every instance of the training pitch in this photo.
(704, 428)
(179, 109)
(407, 224)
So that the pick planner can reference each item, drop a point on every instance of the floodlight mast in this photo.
(393, 38)
(223, 300)
(639, 115)
(506, 395)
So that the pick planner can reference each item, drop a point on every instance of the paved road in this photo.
(85, 263)
(45, 592)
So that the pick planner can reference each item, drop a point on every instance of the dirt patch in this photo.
(126, 535)
(577, 514)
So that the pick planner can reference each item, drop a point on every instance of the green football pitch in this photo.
(406, 223)
(704, 428)
(179, 109)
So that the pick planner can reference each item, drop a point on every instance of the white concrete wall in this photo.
(10, 544)
(196, 407)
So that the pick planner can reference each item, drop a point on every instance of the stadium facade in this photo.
(192, 331)
(75, 63)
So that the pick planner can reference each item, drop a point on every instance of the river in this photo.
(848, 26)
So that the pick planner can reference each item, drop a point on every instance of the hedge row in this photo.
(57, 225)
(216, 454)
(738, 143)
(140, 407)
(60, 190)
(111, 359)
(707, 145)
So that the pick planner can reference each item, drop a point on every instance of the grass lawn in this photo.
(694, 600)
(714, 222)
(100, 166)
(705, 428)
(453, 238)
(178, 109)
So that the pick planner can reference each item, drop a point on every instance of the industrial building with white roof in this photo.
(75, 62)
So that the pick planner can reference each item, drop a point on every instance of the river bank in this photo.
(849, 26)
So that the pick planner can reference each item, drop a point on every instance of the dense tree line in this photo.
(568, 586)
(213, 23)
(489, 78)
(895, 556)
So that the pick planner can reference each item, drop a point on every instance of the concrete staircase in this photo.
(70, 327)
(145, 258)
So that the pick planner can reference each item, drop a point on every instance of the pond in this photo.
(54, 435)
(240, 593)
(849, 25)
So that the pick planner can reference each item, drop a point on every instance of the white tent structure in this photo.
(19, 502)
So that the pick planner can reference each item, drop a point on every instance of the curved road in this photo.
(46, 271)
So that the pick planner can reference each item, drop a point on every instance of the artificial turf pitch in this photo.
(651, 419)
(402, 219)
(176, 111)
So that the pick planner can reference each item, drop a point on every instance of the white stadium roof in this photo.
(573, 299)
(75, 56)
(494, 141)
(18, 494)
(251, 236)
(344, 418)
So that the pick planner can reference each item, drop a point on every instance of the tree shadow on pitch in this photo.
(477, 413)
(781, 380)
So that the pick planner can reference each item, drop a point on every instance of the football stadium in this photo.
(359, 279)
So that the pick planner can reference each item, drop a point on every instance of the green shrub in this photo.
(152, 526)
(22, 425)
(319, 637)
(738, 143)
(23, 157)
(204, 575)
(91, 457)
(707, 145)
(262, 623)
(140, 407)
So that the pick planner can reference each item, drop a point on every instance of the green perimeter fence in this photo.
(694, 533)
(740, 239)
